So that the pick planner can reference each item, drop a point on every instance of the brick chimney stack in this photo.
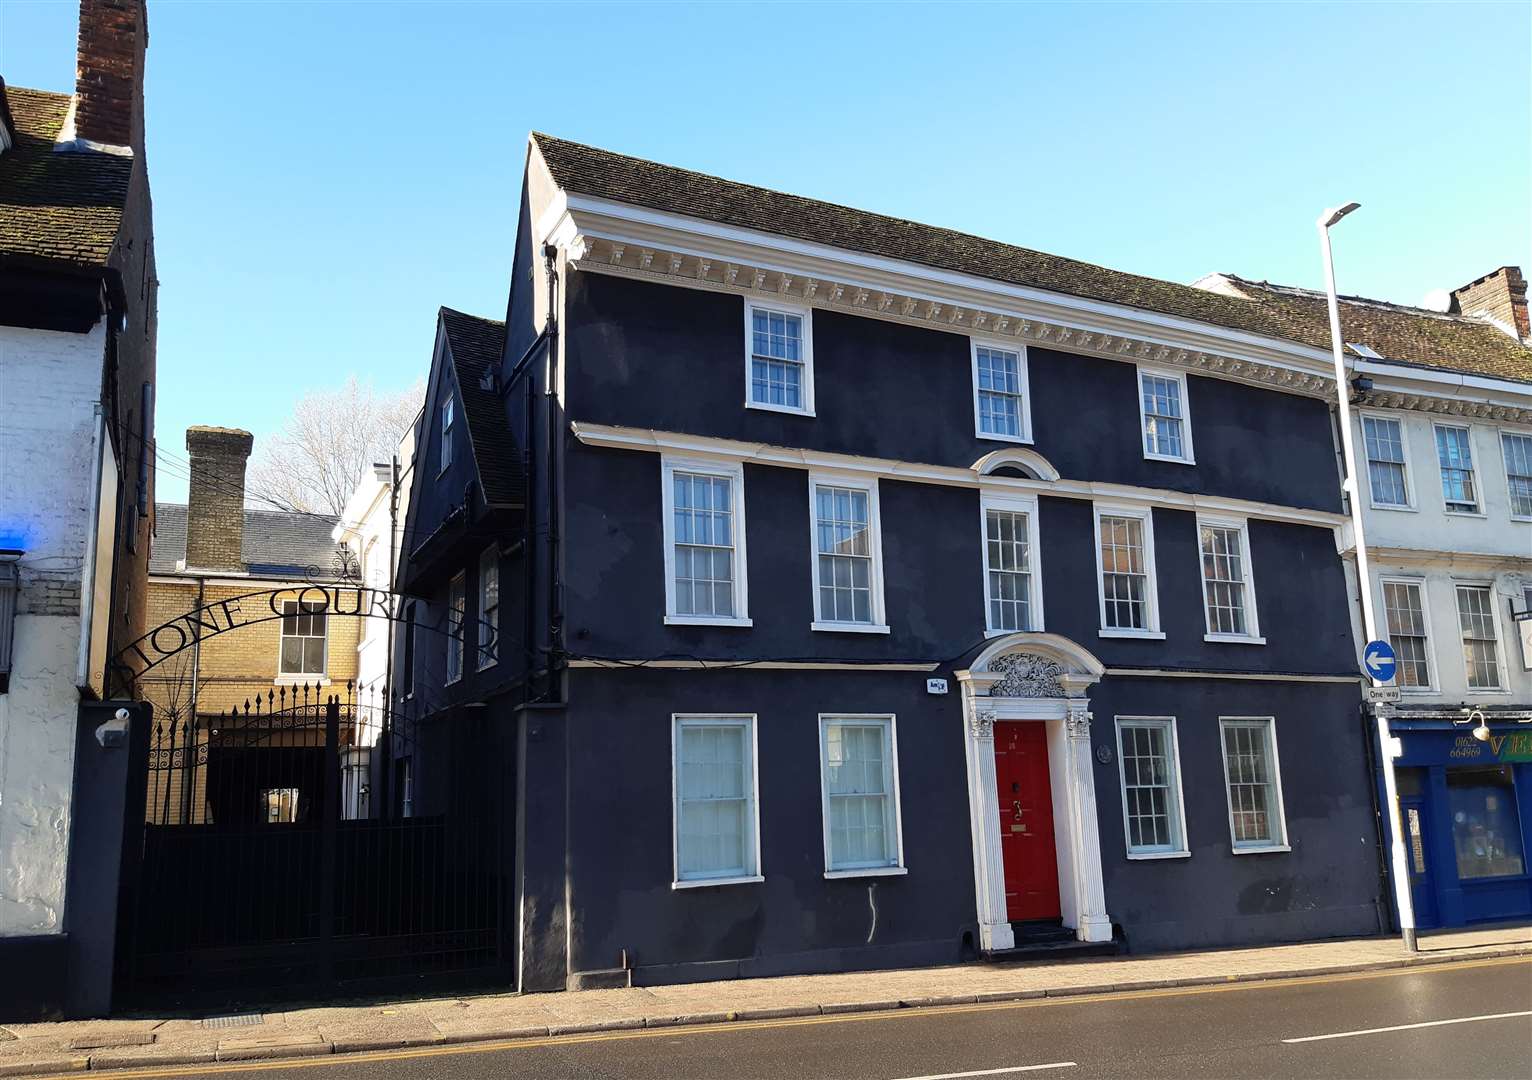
(109, 72)
(1501, 295)
(215, 505)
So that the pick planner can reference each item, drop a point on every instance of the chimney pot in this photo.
(215, 502)
(1501, 296)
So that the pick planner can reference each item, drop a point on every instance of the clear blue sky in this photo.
(326, 174)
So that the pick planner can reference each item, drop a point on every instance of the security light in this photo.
(1331, 216)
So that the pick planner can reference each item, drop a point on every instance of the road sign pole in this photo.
(1403, 901)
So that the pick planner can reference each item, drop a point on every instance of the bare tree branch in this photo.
(333, 437)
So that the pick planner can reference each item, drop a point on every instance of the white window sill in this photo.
(700, 883)
(1465, 513)
(1488, 690)
(990, 436)
(1397, 509)
(1233, 639)
(1147, 856)
(1172, 460)
(1264, 849)
(1418, 691)
(788, 409)
(1148, 635)
(867, 871)
(1520, 517)
(849, 627)
(302, 680)
(704, 620)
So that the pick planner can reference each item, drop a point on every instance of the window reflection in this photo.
(1486, 830)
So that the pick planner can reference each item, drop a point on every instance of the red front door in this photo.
(1026, 821)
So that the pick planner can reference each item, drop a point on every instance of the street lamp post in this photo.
(1402, 898)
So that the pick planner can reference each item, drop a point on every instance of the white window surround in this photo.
(897, 817)
(1178, 377)
(1252, 636)
(1151, 628)
(1504, 689)
(869, 484)
(1182, 849)
(753, 816)
(1280, 823)
(1410, 506)
(1474, 477)
(308, 613)
(448, 423)
(1505, 466)
(1016, 504)
(734, 470)
(1024, 406)
(1425, 614)
(806, 317)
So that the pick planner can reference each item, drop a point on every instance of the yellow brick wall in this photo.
(234, 667)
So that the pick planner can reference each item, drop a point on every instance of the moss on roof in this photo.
(57, 207)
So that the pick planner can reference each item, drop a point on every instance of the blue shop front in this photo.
(1466, 803)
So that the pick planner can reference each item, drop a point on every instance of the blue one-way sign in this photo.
(1378, 659)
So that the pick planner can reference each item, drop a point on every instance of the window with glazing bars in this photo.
(1223, 579)
(1164, 416)
(1404, 611)
(1249, 755)
(704, 543)
(489, 607)
(1518, 471)
(303, 638)
(1124, 573)
(714, 781)
(861, 817)
(1481, 651)
(1000, 405)
(1455, 455)
(776, 358)
(844, 550)
(1384, 439)
(1009, 559)
(1149, 788)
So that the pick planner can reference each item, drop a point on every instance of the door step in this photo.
(1048, 940)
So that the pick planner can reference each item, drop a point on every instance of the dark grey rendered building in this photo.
(848, 593)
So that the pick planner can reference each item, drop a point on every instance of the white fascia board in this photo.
(637, 226)
(1437, 383)
(1383, 558)
(629, 438)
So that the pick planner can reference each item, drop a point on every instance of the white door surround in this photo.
(1043, 677)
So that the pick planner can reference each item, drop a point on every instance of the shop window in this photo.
(1486, 830)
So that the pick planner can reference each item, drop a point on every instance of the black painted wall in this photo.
(933, 572)
(887, 390)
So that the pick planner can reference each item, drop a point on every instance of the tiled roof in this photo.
(1401, 334)
(57, 207)
(601, 173)
(276, 544)
(477, 345)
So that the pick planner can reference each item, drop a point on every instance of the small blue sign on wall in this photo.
(1378, 659)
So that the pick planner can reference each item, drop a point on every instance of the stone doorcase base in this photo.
(1041, 678)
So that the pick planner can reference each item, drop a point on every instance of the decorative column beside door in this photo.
(1085, 840)
(989, 871)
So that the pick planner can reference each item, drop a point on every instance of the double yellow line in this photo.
(365, 1057)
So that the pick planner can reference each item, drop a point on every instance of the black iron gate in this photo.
(307, 842)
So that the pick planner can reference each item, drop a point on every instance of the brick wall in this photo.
(109, 72)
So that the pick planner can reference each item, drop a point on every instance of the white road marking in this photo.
(995, 1072)
(1407, 1027)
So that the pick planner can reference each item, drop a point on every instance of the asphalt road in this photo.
(1306, 1029)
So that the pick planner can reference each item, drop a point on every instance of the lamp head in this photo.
(1334, 214)
(1481, 732)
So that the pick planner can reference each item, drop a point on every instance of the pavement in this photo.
(384, 1025)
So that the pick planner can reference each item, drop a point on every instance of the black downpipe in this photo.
(551, 449)
(1386, 915)
(529, 559)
